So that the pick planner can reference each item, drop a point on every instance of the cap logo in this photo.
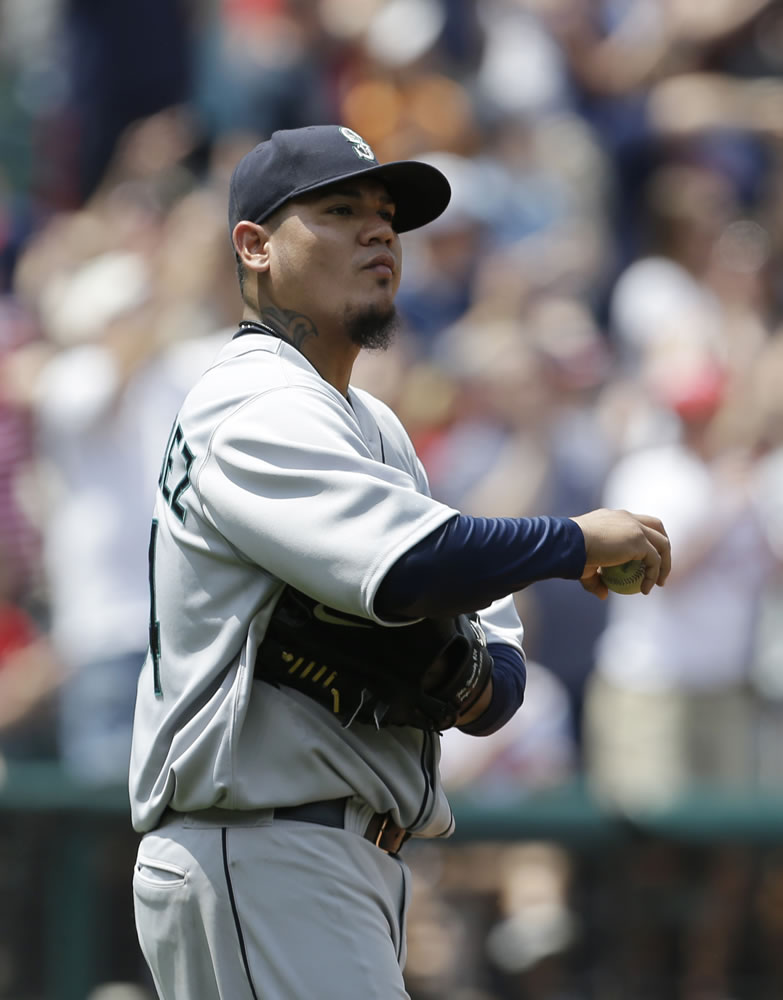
(360, 147)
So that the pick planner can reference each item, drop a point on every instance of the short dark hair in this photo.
(241, 274)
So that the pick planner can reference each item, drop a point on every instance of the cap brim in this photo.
(420, 192)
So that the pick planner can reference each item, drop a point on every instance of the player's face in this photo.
(335, 253)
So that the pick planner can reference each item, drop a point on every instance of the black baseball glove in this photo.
(425, 674)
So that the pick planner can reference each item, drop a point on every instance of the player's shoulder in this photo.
(246, 357)
(250, 368)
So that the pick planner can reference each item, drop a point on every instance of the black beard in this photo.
(372, 328)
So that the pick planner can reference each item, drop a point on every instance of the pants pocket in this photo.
(159, 874)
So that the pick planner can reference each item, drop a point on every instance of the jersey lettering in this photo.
(177, 450)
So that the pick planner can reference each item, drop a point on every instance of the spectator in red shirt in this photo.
(29, 674)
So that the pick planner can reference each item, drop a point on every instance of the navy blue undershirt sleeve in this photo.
(469, 562)
(508, 690)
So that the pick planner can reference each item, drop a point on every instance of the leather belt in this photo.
(381, 830)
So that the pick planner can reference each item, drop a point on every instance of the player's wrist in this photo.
(478, 708)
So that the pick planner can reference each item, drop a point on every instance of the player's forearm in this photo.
(469, 562)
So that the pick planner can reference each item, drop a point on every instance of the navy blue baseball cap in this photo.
(294, 161)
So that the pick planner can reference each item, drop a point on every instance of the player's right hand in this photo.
(617, 536)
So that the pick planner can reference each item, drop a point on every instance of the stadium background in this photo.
(607, 284)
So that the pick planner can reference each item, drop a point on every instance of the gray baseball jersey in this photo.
(272, 477)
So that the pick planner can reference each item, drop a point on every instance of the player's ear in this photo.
(251, 243)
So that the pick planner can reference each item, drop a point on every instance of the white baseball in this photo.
(624, 579)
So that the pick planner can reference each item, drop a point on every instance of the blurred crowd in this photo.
(597, 320)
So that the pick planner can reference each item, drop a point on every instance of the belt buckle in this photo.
(396, 836)
(381, 830)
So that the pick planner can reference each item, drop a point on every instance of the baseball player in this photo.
(313, 618)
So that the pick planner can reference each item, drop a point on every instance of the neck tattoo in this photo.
(287, 325)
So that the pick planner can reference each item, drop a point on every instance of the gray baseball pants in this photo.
(266, 909)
